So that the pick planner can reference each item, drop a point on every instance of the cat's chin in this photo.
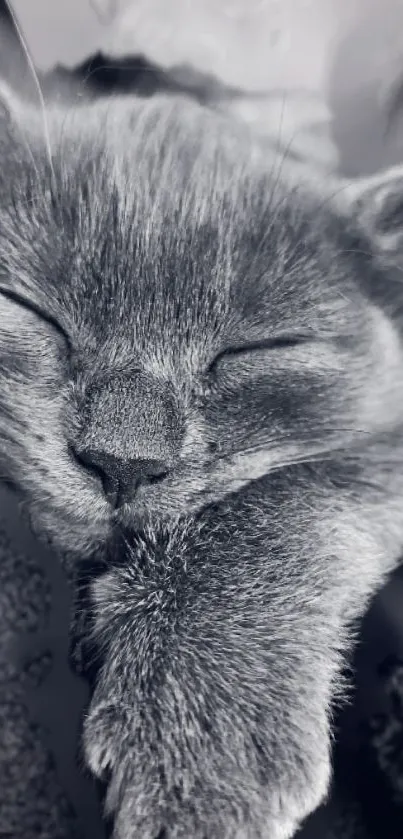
(97, 529)
(101, 538)
(166, 503)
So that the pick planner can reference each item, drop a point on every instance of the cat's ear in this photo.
(376, 205)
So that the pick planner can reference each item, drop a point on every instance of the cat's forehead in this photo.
(163, 227)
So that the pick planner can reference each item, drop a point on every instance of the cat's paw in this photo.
(203, 800)
(201, 731)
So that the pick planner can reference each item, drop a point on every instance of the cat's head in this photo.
(178, 316)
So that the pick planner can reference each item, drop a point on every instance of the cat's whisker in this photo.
(37, 85)
(278, 440)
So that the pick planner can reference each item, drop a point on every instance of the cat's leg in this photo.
(223, 654)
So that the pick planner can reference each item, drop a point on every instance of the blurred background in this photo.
(349, 53)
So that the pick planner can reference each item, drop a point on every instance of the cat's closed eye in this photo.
(35, 309)
(256, 354)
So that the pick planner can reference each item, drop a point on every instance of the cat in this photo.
(201, 383)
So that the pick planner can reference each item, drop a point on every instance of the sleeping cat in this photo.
(201, 382)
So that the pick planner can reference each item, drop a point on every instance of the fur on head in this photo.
(168, 294)
(195, 358)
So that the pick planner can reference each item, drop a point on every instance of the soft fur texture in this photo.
(169, 290)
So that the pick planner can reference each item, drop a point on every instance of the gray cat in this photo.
(201, 379)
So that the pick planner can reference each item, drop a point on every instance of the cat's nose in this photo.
(121, 477)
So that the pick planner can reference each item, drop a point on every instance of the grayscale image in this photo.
(201, 419)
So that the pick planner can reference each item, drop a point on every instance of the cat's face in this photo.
(176, 319)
